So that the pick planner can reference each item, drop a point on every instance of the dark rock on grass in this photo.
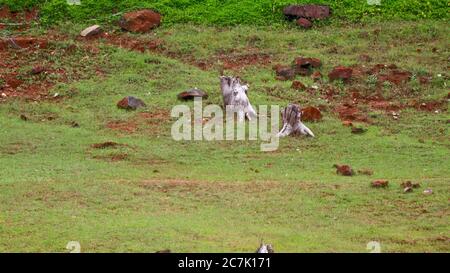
(307, 11)
(341, 73)
(130, 103)
(192, 93)
(311, 113)
(298, 85)
(164, 251)
(344, 170)
(408, 186)
(140, 21)
(74, 124)
(23, 117)
(103, 145)
(304, 23)
(358, 130)
(303, 66)
(380, 184)
(91, 31)
(284, 72)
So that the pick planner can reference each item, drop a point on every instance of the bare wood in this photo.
(291, 122)
(235, 97)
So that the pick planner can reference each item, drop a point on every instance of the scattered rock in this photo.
(365, 58)
(307, 11)
(91, 31)
(192, 93)
(130, 103)
(103, 145)
(316, 76)
(344, 170)
(23, 117)
(37, 70)
(284, 73)
(365, 172)
(140, 21)
(341, 73)
(23, 42)
(310, 113)
(304, 23)
(428, 191)
(410, 185)
(74, 124)
(358, 130)
(164, 251)
(380, 184)
(308, 63)
(407, 189)
(298, 85)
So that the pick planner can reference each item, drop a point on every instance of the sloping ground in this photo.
(77, 168)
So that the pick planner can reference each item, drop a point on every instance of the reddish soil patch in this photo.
(238, 61)
(125, 41)
(349, 112)
(104, 145)
(124, 126)
(380, 184)
(431, 106)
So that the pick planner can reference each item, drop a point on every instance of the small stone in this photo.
(304, 23)
(140, 21)
(310, 113)
(358, 130)
(344, 170)
(91, 31)
(316, 76)
(297, 85)
(284, 73)
(130, 103)
(380, 184)
(192, 93)
(428, 191)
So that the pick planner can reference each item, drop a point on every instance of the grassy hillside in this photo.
(231, 12)
(151, 192)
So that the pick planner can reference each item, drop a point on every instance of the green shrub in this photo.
(230, 12)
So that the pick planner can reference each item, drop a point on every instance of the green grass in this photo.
(231, 12)
(224, 196)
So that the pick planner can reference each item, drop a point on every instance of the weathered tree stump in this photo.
(291, 122)
(235, 97)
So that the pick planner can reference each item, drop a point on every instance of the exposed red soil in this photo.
(140, 120)
(380, 184)
(123, 126)
(103, 145)
(349, 112)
